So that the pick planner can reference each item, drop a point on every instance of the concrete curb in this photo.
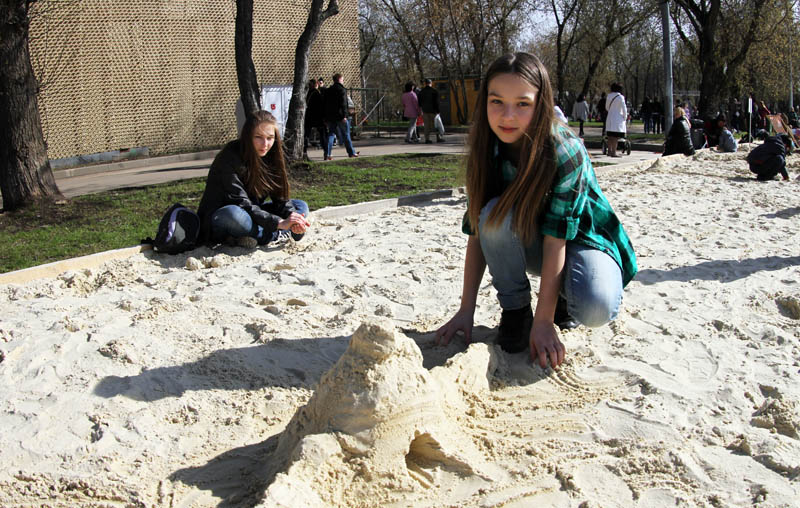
(628, 165)
(91, 260)
(133, 164)
(57, 267)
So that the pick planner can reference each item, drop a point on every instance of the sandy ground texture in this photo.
(308, 375)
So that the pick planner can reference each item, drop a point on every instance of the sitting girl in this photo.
(535, 205)
(234, 207)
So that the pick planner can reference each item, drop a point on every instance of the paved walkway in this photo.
(102, 177)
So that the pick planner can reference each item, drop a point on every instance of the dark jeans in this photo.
(322, 130)
(648, 122)
(341, 130)
(232, 220)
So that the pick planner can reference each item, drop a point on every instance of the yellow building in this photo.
(161, 74)
(451, 97)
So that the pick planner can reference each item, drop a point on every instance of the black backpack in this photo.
(177, 231)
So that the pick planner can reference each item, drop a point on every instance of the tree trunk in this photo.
(295, 128)
(245, 70)
(25, 173)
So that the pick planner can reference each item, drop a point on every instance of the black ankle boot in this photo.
(562, 318)
(515, 329)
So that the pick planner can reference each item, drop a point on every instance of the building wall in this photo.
(118, 74)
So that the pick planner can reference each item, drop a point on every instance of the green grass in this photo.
(47, 232)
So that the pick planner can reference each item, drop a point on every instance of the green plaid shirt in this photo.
(578, 211)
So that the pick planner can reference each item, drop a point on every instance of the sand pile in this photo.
(309, 373)
(377, 426)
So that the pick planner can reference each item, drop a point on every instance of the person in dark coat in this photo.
(429, 103)
(336, 116)
(246, 198)
(679, 138)
(769, 158)
(315, 117)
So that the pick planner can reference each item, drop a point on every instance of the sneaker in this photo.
(428, 142)
(562, 319)
(513, 334)
(248, 242)
(280, 236)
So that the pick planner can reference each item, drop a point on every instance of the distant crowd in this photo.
(421, 107)
(328, 112)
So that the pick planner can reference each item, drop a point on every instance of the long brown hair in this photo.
(265, 175)
(536, 169)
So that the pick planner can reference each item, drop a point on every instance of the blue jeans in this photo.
(591, 284)
(232, 220)
(341, 130)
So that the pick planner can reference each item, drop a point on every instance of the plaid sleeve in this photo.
(568, 195)
(466, 227)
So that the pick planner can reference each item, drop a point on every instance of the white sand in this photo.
(145, 383)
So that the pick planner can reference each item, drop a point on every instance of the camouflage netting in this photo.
(161, 73)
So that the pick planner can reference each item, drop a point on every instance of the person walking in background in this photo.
(428, 99)
(315, 118)
(601, 111)
(336, 111)
(617, 118)
(688, 111)
(580, 112)
(411, 111)
(647, 115)
(658, 120)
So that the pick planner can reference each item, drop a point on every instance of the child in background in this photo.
(535, 205)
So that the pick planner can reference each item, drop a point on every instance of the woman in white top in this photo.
(617, 116)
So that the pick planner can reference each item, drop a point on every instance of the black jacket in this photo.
(315, 108)
(429, 100)
(679, 139)
(768, 159)
(335, 103)
(224, 186)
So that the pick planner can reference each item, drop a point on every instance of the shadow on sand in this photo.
(722, 271)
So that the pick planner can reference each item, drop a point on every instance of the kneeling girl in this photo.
(534, 205)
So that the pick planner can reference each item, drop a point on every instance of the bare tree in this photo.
(406, 14)
(25, 172)
(567, 14)
(716, 60)
(295, 129)
(609, 22)
(243, 46)
(467, 36)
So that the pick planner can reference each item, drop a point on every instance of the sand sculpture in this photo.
(378, 418)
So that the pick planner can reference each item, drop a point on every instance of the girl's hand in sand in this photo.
(462, 321)
(545, 344)
(296, 222)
